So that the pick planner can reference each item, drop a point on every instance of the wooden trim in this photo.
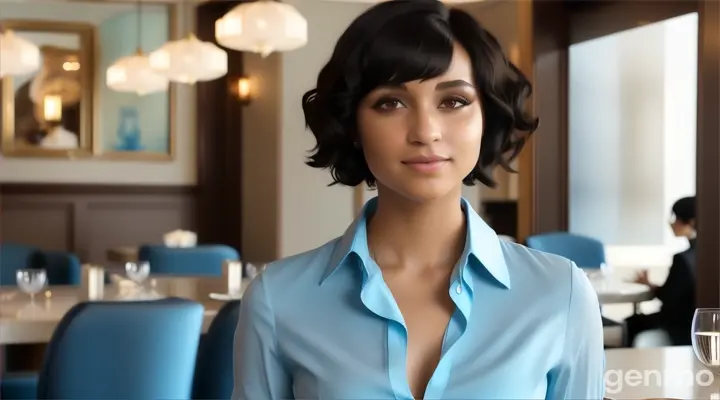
(593, 19)
(88, 189)
(526, 161)
(708, 163)
(543, 184)
(219, 141)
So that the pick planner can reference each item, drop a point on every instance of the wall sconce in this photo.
(52, 108)
(244, 90)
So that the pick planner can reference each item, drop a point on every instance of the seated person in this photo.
(677, 294)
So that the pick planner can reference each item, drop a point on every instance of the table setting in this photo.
(30, 312)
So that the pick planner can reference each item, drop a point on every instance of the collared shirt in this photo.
(324, 325)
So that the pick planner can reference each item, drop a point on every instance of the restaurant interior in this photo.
(152, 164)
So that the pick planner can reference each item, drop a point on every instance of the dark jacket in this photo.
(678, 296)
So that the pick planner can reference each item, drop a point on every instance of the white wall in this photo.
(181, 171)
(632, 137)
(312, 213)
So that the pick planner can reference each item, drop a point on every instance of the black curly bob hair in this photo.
(400, 41)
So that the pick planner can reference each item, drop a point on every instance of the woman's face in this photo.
(420, 139)
(682, 228)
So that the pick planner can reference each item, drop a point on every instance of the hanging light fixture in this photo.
(189, 60)
(262, 26)
(17, 55)
(133, 73)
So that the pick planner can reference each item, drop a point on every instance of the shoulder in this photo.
(290, 277)
(538, 270)
(523, 261)
(685, 258)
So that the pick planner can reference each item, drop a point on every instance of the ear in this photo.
(692, 223)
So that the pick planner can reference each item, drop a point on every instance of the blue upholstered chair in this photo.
(123, 350)
(585, 251)
(16, 256)
(199, 260)
(214, 370)
(63, 268)
(19, 386)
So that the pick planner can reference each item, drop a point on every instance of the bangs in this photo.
(416, 46)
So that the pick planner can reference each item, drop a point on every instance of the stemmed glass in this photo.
(137, 271)
(706, 337)
(31, 281)
(254, 269)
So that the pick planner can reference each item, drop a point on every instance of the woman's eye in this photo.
(454, 103)
(388, 104)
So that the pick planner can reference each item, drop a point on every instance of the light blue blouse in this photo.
(323, 325)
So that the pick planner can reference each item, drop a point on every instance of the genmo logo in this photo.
(617, 379)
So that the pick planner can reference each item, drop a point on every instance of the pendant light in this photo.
(189, 60)
(133, 73)
(263, 27)
(17, 55)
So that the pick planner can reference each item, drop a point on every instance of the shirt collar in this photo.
(482, 244)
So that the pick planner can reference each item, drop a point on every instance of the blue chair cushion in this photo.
(214, 368)
(201, 260)
(585, 251)
(17, 256)
(19, 386)
(123, 350)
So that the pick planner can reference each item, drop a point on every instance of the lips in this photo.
(425, 159)
(426, 164)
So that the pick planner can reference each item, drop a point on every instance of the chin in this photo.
(423, 192)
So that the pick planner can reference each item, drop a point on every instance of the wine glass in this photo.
(706, 337)
(137, 271)
(254, 269)
(31, 281)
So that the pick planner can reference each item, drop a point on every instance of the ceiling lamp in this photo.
(133, 74)
(17, 55)
(263, 27)
(380, 1)
(189, 60)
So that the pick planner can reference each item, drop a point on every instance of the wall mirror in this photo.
(50, 112)
(66, 109)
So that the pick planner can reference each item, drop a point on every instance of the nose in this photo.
(424, 127)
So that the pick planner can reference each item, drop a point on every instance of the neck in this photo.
(404, 234)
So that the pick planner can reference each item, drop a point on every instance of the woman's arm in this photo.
(581, 371)
(259, 370)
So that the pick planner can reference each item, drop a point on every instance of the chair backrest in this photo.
(62, 268)
(15, 256)
(585, 251)
(199, 260)
(214, 370)
(123, 350)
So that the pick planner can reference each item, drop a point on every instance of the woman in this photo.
(419, 298)
(677, 294)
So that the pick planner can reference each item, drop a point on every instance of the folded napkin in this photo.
(180, 238)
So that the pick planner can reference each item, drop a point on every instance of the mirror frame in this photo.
(87, 35)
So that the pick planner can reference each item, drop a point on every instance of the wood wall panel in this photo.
(707, 273)
(88, 220)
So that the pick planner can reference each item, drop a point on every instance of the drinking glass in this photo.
(137, 271)
(254, 269)
(31, 281)
(706, 337)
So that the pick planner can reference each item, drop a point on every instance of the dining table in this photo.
(25, 321)
(658, 373)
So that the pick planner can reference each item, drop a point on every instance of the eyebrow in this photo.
(452, 84)
(440, 86)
